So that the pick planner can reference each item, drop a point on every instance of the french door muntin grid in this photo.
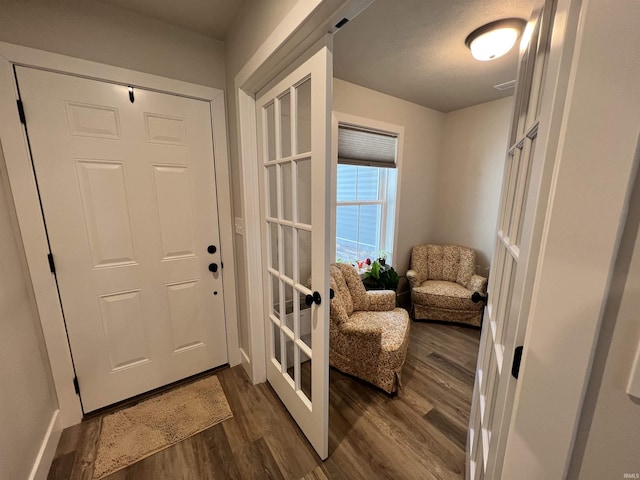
(279, 277)
(508, 238)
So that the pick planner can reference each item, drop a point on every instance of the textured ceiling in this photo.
(212, 18)
(414, 50)
(411, 49)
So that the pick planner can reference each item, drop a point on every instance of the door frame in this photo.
(21, 179)
(305, 25)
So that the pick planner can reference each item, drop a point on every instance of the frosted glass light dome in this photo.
(495, 39)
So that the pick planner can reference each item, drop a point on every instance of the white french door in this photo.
(294, 161)
(128, 192)
(505, 315)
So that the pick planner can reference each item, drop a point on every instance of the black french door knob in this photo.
(213, 267)
(315, 298)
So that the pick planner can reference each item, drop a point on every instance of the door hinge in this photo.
(76, 385)
(23, 119)
(517, 358)
(52, 265)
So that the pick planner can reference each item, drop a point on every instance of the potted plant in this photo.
(381, 277)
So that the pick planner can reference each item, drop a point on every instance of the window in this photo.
(366, 191)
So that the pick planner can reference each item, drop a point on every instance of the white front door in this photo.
(294, 148)
(127, 187)
(505, 315)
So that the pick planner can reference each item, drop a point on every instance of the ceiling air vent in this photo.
(505, 85)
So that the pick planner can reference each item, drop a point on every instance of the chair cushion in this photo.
(443, 294)
(392, 324)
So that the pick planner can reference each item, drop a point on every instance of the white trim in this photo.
(31, 57)
(29, 215)
(226, 225)
(248, 152)
(305, 24)
(43, 460)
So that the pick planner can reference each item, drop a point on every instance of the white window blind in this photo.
(366, 147)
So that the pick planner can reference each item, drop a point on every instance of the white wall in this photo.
(254, 24)
(423, 130)
(608, 437)
(27, 396)
(470, 177)
(108, 34)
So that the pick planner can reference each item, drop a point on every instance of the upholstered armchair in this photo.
(368, 336)
(443, 280)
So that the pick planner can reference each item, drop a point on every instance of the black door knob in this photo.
(315, 298)
(213, 267)
(212, 249)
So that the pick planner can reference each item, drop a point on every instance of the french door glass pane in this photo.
(275, 295)
(277, 353)
(272, 191)
(531, 153)
(304, 256)
(305, 322)
(304, 184)
(289, 351)
(303, 116)
(287, 233)
(271, 131)
(285, 125)
(288, 304)
(287, 188)
(273, 244)
(305, 374)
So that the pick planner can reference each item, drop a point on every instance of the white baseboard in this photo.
(43, 461)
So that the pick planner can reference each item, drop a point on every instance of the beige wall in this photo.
(257, 20)
(423, 130)
(107, 34)
(27, 396)
(470, 177)
(608, 437)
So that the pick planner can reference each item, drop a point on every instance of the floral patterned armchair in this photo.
(443, 280)
(368, 336)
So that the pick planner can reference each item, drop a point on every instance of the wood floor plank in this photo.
(256, 462)
(419, 433)
(454, 430)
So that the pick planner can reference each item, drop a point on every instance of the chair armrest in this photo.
(478, 284)
(366, 339)
(381, 300)
(414, 278)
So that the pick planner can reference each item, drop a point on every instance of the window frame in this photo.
(390, 232)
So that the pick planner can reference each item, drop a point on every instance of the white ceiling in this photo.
(414, 50)
(212, 18)
(411, 49)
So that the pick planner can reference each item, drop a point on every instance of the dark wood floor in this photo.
(420, 433)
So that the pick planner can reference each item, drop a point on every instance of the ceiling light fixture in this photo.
(494, 39)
